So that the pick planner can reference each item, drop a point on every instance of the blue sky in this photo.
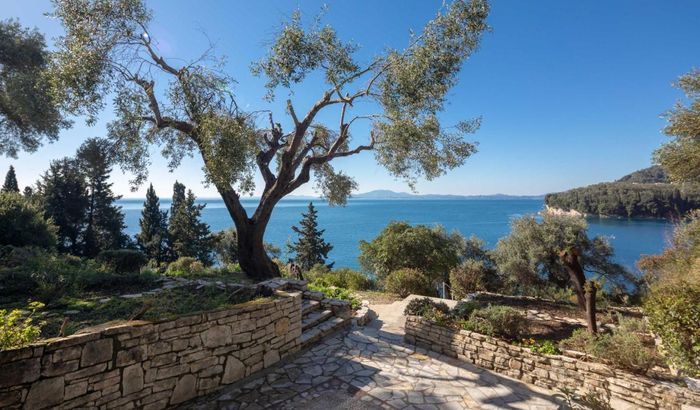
(570, 92)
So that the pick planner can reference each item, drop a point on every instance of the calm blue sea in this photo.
(364, 218)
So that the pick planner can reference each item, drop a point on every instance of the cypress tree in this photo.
(187, 234)
(63, 195)
(153, 238)
(10, 184)
(105, 220)
(310, 249)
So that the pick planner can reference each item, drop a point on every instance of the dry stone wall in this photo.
(627, 391)
(152, 365)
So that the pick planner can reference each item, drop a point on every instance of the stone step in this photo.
(322, 329)
(314, 318)
(308, 306)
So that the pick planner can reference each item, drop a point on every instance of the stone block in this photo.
(185, 389)
(51, 369)
(217, 336)
(97, 351)
(46, 393)
(134, 355)
(75, 390)
(19, 372)
(10, 398)
(233, 371)
(132, 379)
(271, 357)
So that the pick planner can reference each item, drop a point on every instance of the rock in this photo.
(271, 358)
(185, 389)
(217, 336)
(96, 352)
(19, 372)
(45, 393)
(132, 379)
(234, 371)
(281, 327)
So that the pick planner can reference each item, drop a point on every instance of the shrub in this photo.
(123, 260)
(470, 276)
(674, 315)
(500, 321)
(463, 310)
(400, 245)
(408, 281)
(226, 245)
(419, 307)
(622, 348)
(185, 266)
(16, 331)
(545, 347)
(342, 278)
(337, 293)
(22, 223)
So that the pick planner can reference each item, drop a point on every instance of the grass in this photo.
(166, 304)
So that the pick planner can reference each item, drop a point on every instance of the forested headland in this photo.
(646, 193)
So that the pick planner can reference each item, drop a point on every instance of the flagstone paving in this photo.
(372, 367)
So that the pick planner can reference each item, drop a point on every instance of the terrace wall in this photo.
(152, 365)
(627, 390)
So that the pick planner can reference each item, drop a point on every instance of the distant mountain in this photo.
(646, 193)
(652, 175)
(388, 194)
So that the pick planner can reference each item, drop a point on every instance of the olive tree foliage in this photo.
(29, 109)
(680, 157)
(190, 108)
(557, 250)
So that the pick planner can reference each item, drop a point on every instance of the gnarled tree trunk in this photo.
(585, 290)
(251, 252)
(591, 291)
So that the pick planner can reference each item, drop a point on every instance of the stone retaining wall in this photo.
(628, 391)
(152, 365)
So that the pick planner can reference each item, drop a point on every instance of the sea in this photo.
(363, 219)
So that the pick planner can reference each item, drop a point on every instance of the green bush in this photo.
(44, 275)
(123, 260)
(674, 315)
(22, 223)
(463, 310)
(401, 245)
(185, 266)
(470, 276)
(16, 330)
(337, 293)
(343, 278)
(499, 321)
(622, 348)
(545, 347)
(408, 281)
(419, 307)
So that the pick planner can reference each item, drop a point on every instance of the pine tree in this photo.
(187, 234)
(153, 238)
(105, 220)
(10, 184)
(63, 195)
(310, 249)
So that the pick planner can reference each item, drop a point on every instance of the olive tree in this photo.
(557, 250)
(29, 110)
(189, 108)
(680, 157)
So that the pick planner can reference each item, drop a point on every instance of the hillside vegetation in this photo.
(645, 194)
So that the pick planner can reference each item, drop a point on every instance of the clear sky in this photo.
(570, 92)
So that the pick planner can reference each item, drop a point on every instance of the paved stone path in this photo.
(372, 368)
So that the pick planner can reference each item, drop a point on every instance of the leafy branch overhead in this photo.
(188, 108)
